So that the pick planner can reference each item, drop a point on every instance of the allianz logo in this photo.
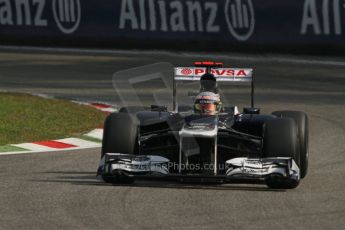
(67, 13)
(189, 16)
(323, 17)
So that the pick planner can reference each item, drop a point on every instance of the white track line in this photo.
(79, 142)
(45, 151)
(109, 110)
(243, 57)
(33, 147)
(96, 133)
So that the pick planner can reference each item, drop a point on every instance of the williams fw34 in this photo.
(207, 141)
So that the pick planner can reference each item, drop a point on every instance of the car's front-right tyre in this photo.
(120, 135)
(301, 120)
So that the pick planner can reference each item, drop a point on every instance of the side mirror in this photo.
(251, 110)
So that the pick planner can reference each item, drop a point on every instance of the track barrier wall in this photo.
(307, 25)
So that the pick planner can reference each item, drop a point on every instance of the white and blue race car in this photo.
(208, 141)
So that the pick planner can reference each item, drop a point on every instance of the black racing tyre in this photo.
(301, 120)
(133, 109)
(280, 140)
(120, 134)
(117, 179)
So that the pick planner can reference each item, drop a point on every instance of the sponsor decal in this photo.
(67, 13)
(189, 16)
(253, 163)
(327, 21)
(186, 71)
(240, 18)
(220, 72)
(22, 13)
(141, 159)
(203, 97)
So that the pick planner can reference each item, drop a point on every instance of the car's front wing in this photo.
(238, 170)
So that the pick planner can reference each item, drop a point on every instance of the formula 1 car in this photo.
(208, 142)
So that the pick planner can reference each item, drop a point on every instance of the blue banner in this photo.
(222, 22)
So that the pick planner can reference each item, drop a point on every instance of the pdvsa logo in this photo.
(240, 18)
(67, 15)
(186, 71)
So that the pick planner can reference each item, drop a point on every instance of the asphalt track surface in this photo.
(59, 190)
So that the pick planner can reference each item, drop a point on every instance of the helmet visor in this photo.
(208, 108)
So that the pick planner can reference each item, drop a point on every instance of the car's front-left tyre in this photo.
(280, 140)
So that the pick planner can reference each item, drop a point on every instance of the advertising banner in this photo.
(221, 22)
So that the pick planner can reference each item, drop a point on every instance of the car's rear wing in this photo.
(226, 75)
(221, 74)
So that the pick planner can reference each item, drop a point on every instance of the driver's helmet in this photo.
(207, 103)
(208, 83)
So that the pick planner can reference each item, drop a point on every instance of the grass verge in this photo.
(27, 118)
